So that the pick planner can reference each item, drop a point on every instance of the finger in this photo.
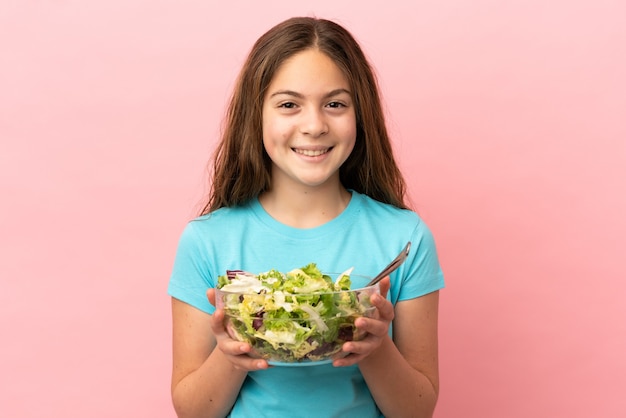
(241, 355)
(233, 347)
(249, 364)
(217, 322)
(384, 286)
(371, 326)
(211, 295)
(355, 352)
(384, 307)
(348, 360)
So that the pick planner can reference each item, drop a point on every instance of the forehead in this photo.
(307, 70)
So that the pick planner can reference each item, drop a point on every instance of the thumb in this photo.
(384, 286)
(211, 295)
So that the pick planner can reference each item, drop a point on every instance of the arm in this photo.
(203, 383)
(403, 374)
(206, 381)
(404, 377)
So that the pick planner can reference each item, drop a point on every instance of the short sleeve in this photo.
(423, 272)
(190, 279)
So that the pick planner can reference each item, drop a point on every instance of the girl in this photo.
(305, 173)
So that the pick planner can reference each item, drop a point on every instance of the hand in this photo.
(377, 329)
(236, 352)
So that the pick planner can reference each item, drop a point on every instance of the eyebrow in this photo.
(331, 93)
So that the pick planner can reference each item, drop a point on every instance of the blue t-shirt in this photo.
(367, 235)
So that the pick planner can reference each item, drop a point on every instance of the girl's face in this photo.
(309, 122)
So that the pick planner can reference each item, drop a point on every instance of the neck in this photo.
(305, 207)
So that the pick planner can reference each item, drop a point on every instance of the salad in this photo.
(302, 315)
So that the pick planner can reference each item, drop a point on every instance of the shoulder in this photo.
(219, 219)
(384, 212)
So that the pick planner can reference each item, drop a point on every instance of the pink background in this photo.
(509, 121)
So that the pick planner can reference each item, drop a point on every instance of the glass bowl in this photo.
(296, 329)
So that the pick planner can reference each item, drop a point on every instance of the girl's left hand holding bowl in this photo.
(377, 328)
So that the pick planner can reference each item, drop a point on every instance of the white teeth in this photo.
(311, 153)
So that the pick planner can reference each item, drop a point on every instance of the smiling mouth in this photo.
(312, 153)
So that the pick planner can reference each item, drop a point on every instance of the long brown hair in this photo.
(241, 167)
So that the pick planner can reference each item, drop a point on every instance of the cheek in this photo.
(349, 133)
(274, 138)
(276, 132)
(270, 135)
(267, 143)
(266, 131)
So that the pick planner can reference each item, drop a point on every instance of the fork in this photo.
(392, 266)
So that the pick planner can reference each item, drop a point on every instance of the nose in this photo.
(313, 123)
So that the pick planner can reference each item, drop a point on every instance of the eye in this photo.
(287, 105)
(336, 105)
